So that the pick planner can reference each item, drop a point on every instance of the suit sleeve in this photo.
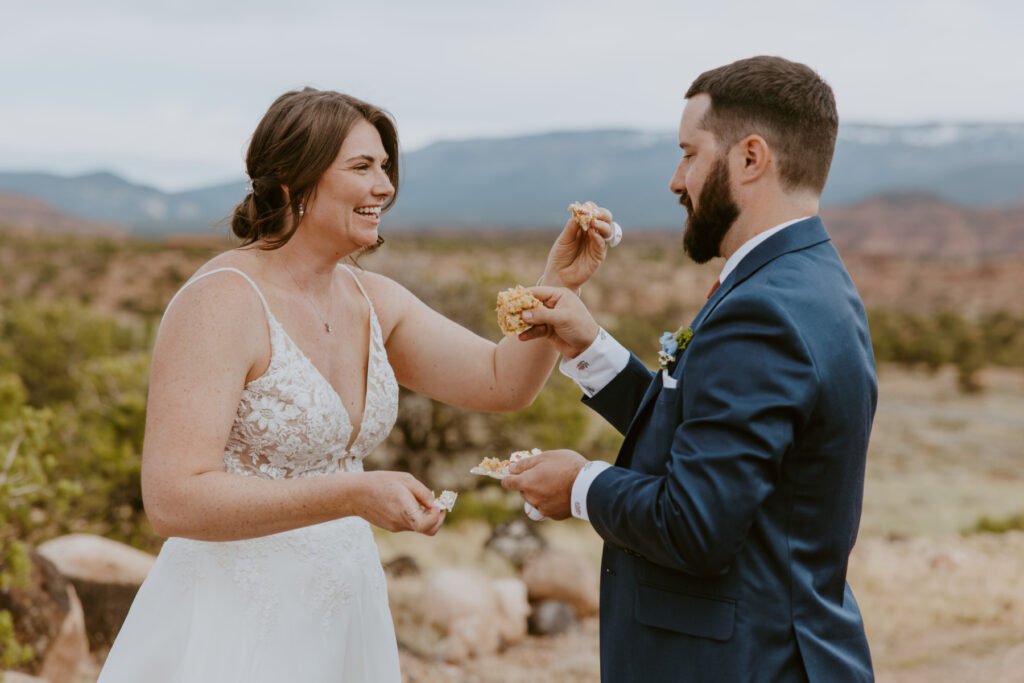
(749, 383)
(619, 400)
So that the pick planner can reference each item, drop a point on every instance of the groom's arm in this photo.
(612, 379)
(752, 383)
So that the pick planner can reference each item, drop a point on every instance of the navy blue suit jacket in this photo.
(734, 504)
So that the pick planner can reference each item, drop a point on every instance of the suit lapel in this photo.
(802, 235)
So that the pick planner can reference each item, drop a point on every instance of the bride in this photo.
(275, 372)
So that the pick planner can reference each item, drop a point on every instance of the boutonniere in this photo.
(671, 344)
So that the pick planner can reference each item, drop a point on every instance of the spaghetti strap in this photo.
(359, 284)
(197, 278)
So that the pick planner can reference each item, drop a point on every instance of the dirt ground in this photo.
(939, 606)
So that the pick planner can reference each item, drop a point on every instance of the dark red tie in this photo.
(713, 288)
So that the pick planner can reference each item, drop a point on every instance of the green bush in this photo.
(998, 526)
(948, 338)
(33, 494)
(556, 419)
(44, 342)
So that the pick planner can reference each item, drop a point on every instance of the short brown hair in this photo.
(293, 145)
(786, 103)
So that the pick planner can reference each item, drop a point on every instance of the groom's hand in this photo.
(545, 481)
(564, 321)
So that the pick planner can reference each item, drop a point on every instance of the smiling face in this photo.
(348, 197)
(703, 184)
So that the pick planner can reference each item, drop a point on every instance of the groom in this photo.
(731, 510)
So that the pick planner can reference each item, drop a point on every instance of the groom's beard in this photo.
(706, 227)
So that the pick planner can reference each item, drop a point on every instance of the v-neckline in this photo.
(356, 431)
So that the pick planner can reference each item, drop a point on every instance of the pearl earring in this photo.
(302, 211)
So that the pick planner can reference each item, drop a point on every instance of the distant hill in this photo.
(28, 214)
(528, 181)
(103, 196)
(923, 226)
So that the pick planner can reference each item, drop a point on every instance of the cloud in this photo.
(154, 85)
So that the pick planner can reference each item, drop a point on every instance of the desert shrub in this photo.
(556, 419)
(86, 374)
(101, 437)
(43, 341)
(491, 504)
(640, 333)
(948, 338)
(1002, 338)
(998, 525)
(32, 492)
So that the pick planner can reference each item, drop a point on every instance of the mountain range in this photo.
(528, 181)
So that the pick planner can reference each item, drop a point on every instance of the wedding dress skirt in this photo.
(307, 605)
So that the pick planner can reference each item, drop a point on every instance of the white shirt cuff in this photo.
(581, 486)
(598, 365)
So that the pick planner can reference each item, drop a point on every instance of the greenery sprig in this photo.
(672, 343)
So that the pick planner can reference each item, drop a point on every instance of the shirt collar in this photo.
(749, 245)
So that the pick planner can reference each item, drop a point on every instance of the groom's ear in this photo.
(755, 159)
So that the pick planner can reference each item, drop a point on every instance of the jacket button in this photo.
(609, 570)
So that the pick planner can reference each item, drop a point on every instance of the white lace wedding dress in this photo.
(308, 605)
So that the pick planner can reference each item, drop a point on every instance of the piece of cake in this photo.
(492, 467)
(583, 213)
(446, 500)
(511, 303)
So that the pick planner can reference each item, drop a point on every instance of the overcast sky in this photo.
(168, 93)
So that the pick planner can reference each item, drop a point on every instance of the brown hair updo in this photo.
(294, 144)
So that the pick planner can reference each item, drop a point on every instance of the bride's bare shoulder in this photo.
(244, 259)
(376, 284)
(221, 294)
(389, 297)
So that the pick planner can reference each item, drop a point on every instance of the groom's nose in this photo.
(678, 182)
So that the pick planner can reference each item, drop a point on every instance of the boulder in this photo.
(48, 616)
(551, 617)
(106, 575)
(556, 574)
(475, 614)
(18, 677)
(517, 540)
(402, 565)
(514, 609)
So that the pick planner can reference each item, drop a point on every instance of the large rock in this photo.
(106, 575)
(562, 575)
(476, 615)
(18, 677)
(551, 617)
(517, 540)
(514, 608)
(48, 616)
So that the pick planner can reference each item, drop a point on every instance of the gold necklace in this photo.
(327, 325)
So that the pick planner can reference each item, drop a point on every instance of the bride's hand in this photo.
(397, 501)
(576, 254)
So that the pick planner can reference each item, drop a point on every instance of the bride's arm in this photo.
(438, 358)
(200, 366)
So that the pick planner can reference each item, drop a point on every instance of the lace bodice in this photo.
(292, 423)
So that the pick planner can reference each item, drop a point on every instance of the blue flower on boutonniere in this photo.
(671, 344)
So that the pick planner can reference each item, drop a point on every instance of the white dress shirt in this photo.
(605, 358)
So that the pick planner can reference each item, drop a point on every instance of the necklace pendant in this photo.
(327, 326)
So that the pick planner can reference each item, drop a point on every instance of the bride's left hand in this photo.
(576, 254)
